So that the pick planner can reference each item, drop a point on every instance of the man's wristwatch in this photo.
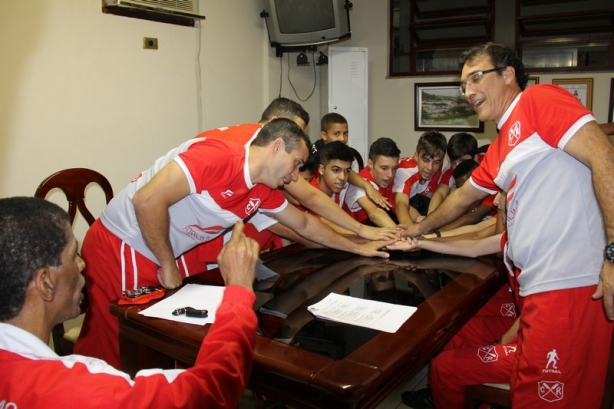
(609, 252)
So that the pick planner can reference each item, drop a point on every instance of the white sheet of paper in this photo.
(207, 297)
(378, 315)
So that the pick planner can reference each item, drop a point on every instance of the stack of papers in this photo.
(202, 297)
(363, 313)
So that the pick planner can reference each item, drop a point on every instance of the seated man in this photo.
(41, 284)
(461, 146)
(380, 172)
(417, 177)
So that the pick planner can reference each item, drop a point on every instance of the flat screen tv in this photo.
(293, 23)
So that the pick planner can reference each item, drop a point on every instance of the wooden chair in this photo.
(73, 183)
(499, 394)
(358, 157)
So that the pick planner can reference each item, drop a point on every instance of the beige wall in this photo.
(78, 90)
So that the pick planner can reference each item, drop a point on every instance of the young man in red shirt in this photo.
(417, 177)
(380, 172)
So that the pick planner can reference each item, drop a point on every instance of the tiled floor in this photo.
(393, 401)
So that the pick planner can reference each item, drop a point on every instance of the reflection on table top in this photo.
(328, 364)
(308, 277)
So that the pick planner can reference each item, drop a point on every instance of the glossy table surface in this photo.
(325, 364)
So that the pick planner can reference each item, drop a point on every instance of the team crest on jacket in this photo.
(514, 134)
(508, 309)
(488, 353)
(252, 205)
(550, 391)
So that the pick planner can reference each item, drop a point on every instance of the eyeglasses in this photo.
(476, 77)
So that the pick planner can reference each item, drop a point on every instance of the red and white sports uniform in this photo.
(556, 238)
(407, 179)
(355, 193)
(117, 258)
(447, 177)
(338, 198)
(34, 376)
(255, 228)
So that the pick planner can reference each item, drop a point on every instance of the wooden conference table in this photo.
(332, 365)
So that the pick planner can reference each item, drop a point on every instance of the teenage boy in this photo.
(461, 146)
(333, 127)
(334, 171)
(417, 177)
(381, 169)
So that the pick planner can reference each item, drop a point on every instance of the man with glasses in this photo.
(555, 163)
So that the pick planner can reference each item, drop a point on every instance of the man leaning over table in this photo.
(40, 285)
(190, 196)
(300, 190)
(555, 164)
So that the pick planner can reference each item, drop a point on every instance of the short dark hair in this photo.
(335, 151)
(330, 119)
(464, 168)
(287, 129)
(432, 143)
(33, 235)
(310, 164)
(500, 55)
(285, 108)
(384, 147)
(461, 144)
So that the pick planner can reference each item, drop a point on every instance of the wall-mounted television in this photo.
(295, 23)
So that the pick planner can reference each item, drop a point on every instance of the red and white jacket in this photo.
(34, 376)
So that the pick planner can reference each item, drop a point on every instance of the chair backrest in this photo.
(73, 183)
(358, 157)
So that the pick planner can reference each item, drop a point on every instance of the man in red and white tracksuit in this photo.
(221, 192)
(554, 162)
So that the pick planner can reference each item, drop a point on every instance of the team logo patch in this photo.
(514, 134)
(551, 367)
(488, 353)
(508, 310)
(550, 391)
(227, 194)
(252, 205)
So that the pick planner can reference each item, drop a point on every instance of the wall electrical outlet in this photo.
(150, 43)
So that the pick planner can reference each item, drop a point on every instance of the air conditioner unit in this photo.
(184, 8)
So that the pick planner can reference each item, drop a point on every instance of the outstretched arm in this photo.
(321, 204)
(376, 214)
(313, 229)
(451, 208)
(372, 193)
(466, 248)
(438, 197)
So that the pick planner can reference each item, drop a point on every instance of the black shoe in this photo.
(421, 399)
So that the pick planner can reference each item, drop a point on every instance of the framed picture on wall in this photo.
(441, 106)
(611, 110)
(581, 88)
(532, 81)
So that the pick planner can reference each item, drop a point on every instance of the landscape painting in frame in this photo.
(441, 106)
